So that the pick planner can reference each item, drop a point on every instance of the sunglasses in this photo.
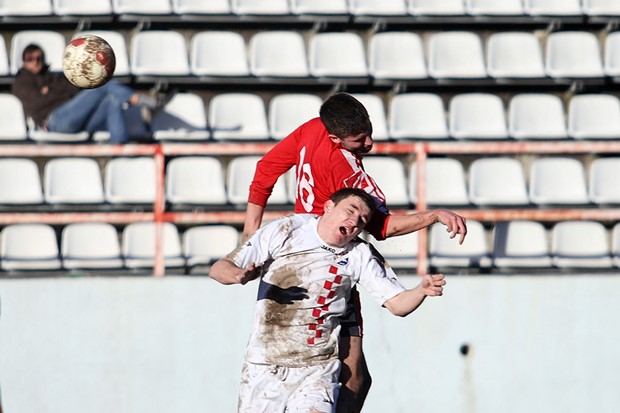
(33, 59)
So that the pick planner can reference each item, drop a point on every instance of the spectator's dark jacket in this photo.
(27, 87)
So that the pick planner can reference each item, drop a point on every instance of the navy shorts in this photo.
(351, 321)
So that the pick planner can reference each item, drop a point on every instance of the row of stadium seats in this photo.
(409, 116)
(322, 7)
(514, 245)
(387, 57)
(205, 181)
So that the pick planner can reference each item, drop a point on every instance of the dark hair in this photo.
(345, 193)
(343, 116)
(33, 48)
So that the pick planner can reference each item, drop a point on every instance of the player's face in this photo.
(358, 144)
(33, 61)
(344, 221)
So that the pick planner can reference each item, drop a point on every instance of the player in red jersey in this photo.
(327, 155)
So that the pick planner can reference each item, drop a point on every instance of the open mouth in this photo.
(343, 230)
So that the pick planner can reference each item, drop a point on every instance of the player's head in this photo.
(33, 58)
(347, 122)
(345, 215)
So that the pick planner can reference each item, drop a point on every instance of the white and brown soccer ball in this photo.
(88, 61)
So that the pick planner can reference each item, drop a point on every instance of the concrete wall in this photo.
(536, 344)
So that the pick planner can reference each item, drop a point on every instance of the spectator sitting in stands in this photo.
(56, 105)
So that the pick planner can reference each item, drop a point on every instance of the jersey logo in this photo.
(330, 249)
(343, 262)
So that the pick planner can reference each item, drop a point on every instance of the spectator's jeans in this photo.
(94, 110)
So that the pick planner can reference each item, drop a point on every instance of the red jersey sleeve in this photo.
(271, 166)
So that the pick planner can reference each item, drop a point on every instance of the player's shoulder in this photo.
(294, 221)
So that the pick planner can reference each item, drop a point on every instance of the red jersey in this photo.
(321, 168)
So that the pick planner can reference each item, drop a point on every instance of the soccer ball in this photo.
(88, 61)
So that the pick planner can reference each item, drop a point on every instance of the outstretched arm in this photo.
(404, 224)
(406, 302)
(226, 272)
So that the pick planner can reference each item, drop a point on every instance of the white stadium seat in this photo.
(612, 54)
(557, 181)
(22, 8)
(594, 116)
(337, 54)
(201, 7)
(319, 7)
(615, 245)
(29, 247)
(159, 53)
(514, 55)
(288, 111)
(377, 7)
(536, 116)
(603, 188)
(477, 116)
(195, 180)
(494, 7)
(552, 7)
(445, 182)
(601, 7)
(573, 54)
(417, 116)
(278, 54)
(219, 53)
(151, 7)
(90, 245)
(183, 118)
(203, 245)
(445, 252)
(138, 245)
(497, 181)
(580, 244)
(455, 55)
(73, 181)
(130, 180)
(238, 116)
(396, 55)
(82, 7)
(12, 123)
(260, 7)
(389, 174)
(436, 8)
(19, 182)
(520, 244)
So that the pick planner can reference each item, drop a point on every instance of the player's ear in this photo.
(334, 138)
(328, 206)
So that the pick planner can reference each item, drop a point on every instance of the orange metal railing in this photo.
(418, 149)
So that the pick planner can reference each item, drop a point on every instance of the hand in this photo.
(455, 224)
(45, 90)
(432, 284)
(249, 273)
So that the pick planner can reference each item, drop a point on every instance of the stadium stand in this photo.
(484, 94)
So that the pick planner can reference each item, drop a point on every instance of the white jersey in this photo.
(304, 288)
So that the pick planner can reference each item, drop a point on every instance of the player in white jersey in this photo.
(307, 266)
